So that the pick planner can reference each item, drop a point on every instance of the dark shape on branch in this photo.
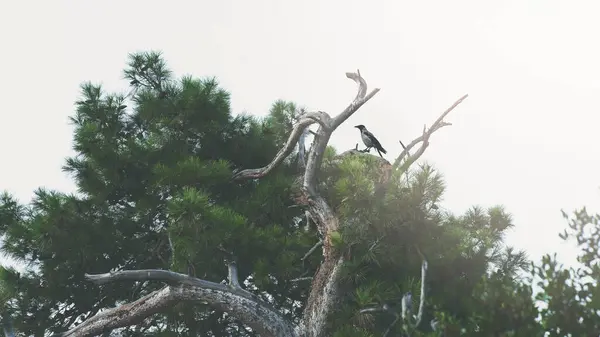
(369, 140)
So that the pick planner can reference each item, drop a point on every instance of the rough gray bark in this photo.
(238, 302)
(323, 295)
(231, 298)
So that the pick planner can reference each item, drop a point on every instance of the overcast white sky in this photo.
(524, 138)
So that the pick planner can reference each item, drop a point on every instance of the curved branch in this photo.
(238, 302)
(125, 315)
(360, 99)
(424, 138)
(320, 117)
(280, 156)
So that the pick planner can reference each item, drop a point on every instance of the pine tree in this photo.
(313, 243)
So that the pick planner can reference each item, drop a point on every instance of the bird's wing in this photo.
(373, 140)
(367, 140)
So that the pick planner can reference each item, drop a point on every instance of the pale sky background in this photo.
(524, 138)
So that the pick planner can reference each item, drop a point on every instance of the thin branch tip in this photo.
(424, 139)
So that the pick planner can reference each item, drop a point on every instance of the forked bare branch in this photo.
(326, 123)
(424, 139)
(361, 98)
(280, 156)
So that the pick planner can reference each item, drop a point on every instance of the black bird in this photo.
(370, 141)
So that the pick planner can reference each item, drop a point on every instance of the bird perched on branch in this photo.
(369, 140)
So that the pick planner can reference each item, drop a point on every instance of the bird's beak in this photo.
(356, 126)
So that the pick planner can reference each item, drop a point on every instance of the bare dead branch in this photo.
(406, 306)
(360, 99)
(167, 276)
(381, 308)
(258, 315)
(403, 147)
(424, 138)
(281, 155)
(299, 279)
(320, 117)
(312, 250)
(319, 210)
(260, 318)
(125, 315)
(307, 216)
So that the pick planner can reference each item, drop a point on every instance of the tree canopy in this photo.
(190, 220)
